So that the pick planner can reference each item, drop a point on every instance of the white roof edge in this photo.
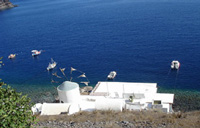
(165, 97)
(125, 82)
(166, 93)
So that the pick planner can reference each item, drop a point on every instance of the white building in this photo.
(116, 96)
(137, 96)
(68, 92)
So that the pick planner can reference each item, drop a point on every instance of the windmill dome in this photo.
(68, 92)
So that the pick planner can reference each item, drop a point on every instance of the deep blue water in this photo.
(138, 39)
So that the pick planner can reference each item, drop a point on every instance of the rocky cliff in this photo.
(4, 4)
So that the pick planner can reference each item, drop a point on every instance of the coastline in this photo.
(6, 4)
(184, 100)
(186, 114)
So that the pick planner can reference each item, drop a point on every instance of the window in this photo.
(157, 101)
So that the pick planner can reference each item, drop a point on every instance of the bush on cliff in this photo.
(15, 109)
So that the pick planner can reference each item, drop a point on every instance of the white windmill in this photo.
(68, 91)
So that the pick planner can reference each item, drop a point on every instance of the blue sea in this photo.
(136, 38)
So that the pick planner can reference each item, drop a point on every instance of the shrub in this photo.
(15, 109)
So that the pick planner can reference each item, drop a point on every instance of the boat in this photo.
(175, 64)
(112, 75)
(36, 52)
(11, 56)
(51, 65)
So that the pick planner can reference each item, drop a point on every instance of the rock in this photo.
(72, 123)
(5, 4)
(86, 89)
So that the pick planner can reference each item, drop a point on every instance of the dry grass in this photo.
(154, 118)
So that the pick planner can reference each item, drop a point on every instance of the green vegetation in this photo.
(15, 109)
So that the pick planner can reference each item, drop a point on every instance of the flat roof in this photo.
(164, 97)
(124, 87)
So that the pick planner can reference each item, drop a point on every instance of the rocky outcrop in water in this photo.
(5, 4)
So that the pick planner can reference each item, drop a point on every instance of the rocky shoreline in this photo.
(186, 102)
(127, 119)
(89, 124)
(5, 4)
(186, 115)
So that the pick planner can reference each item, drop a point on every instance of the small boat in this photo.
(51, 65)
(175, 64)
(112, 75)
(11, 56)
(36, 52)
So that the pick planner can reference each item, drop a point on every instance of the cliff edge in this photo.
(5, 4)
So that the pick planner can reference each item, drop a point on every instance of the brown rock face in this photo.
(5, 4)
